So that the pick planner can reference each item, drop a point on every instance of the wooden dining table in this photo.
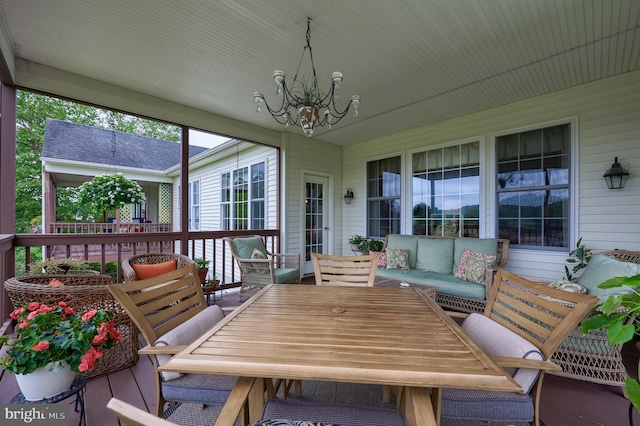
(379, 335)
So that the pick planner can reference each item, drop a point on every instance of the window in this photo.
(194, 205)
(446, 191)
(241, 201)
(383, 197)
(257, 196)
(533, 170)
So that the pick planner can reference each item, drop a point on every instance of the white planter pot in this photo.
(43, 383)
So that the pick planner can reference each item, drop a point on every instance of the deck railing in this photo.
(114, 247)
(109, 228)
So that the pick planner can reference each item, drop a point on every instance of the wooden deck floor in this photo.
(565, 402)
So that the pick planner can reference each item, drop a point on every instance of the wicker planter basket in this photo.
(82, 293)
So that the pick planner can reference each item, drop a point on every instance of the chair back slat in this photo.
(159, 304)
(540, 314)
(345, 270)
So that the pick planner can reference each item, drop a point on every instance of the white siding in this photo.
(608, 125)
(210, 195)
(303, 155)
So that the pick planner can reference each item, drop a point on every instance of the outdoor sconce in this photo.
(616, 176)
(348, 196)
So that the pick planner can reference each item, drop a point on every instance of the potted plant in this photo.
(373, 245)
(109, 192)
(203, 267)
(52, 343)
(209, 286)
(357, 243)
(618, 314)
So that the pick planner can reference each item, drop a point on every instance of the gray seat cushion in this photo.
(338, 414)
(199, 389)
(486, 406)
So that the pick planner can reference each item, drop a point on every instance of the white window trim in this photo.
(574, 184)
(408, 207)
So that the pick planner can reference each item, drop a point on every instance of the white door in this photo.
(315, 218)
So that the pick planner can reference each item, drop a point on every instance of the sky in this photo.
(207, 140)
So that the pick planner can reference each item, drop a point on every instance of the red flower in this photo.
(22, 324)
(15, 314)
(41, 346)
(86, 317)
(33, 306)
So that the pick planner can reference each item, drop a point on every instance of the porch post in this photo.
(184, 191)
(7, 187)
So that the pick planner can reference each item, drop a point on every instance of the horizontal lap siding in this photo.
(608, 116)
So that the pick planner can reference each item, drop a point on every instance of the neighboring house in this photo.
(232, 186)
(73, 154)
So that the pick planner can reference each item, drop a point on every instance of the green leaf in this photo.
(618, 333)
(632, 388)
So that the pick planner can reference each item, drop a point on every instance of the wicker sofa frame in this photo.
(149, 259)
(591, 358)
(82, 292)
(467, 304)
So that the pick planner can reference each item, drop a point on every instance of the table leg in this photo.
(417, 408)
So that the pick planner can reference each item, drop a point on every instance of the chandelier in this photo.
(303, 103)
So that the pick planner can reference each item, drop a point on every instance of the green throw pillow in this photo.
(600, 268)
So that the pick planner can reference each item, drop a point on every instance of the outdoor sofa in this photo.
(435, 261)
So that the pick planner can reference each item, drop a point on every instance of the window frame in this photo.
(229, 207)
(482, 228)
(573, 186)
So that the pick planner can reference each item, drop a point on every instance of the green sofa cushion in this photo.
(445, 282)
(409, 242)
(286, 275)
(600, 268)
(435, 255)
(480, 245)
(244, 246)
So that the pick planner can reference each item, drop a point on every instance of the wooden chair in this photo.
(150, 259)
(345, 270)
(260, 267)
(134, 416)
(171, 312)
(522, 326)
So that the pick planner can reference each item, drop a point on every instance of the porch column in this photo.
(7, 187)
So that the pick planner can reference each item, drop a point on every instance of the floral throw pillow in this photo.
(473, 266)
(397, 258)
(382, 261)
(261, 268)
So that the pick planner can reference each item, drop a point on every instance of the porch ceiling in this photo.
(413, 62)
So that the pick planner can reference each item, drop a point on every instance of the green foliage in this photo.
(49, 335)
(373, 245)
(202, 263)
(618, 315)
(580, 255)
(57, 266)
(32, 112)
(109, 192)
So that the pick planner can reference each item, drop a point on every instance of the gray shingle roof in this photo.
(69, 141)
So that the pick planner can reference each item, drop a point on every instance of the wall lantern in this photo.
(616, 176)
(348, 196)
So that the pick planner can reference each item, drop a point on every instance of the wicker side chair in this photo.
(590, 357)
(267, 268)
(149, 259)
(82, 293)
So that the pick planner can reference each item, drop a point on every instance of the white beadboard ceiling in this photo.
(413, 62)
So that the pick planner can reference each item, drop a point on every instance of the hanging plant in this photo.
(109, 192)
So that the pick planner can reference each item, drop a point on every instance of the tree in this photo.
(32, 113)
